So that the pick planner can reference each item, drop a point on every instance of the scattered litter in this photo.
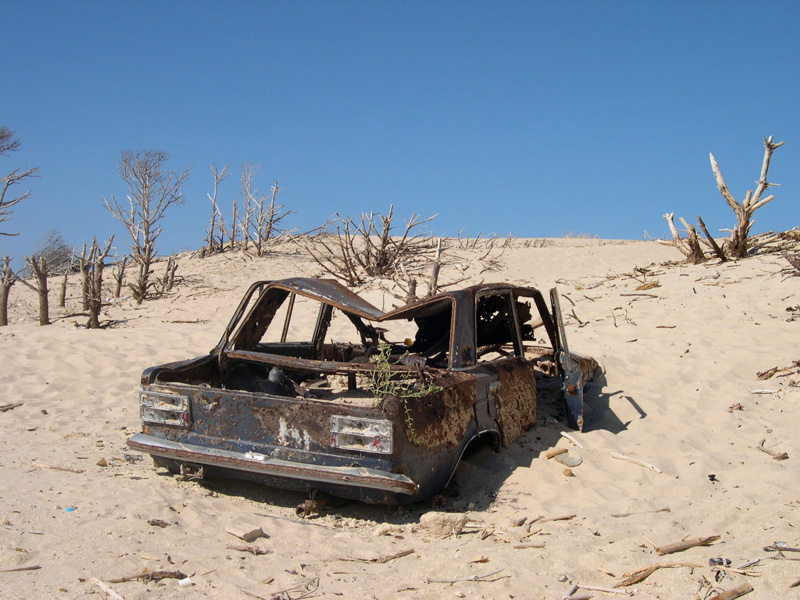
(719, 562)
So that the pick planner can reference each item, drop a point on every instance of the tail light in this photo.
(164, 408)
(363, 435)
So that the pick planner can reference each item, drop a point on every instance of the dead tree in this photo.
(96, 266)
(62, 296)
(83, 267)
(119, 275)
(260, 219)
(38, 266)
(234, 226)
(153, 189)
(7, 279)
(352, 251)
(251, 203)
(739, 242)
(166, 282)
(9, 144)
(267, 219)
(214, 244)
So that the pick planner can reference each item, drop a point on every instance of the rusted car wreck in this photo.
(312, 387)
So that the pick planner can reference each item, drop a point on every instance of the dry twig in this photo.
(12, 569)
(36, 465)
(106, 589)
(642, 574)
(686, 544)
(775, 455)
(739, 590)
(149, 576)
(636, 461)
(471, 578)
(254, 550)
(381, 559)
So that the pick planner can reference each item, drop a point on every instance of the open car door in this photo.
(576, 375)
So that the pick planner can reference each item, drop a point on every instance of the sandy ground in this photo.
(680, 392)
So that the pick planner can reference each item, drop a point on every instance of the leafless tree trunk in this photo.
(433, 283)
(267, 219)
(153, 189)
(7, 279)
(234, 225)
(711, 241)
(212, 245)
(119, 275)
(96, 266)
(249, 194)
(83, 265)
(17, 176)
(38, 265)
(62, 297)
(166, 283)
(738, 245)
(689, 246)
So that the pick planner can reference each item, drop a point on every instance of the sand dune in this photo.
(681, 358)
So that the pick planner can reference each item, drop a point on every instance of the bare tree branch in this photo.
(152, 190)
(9, 144)
(212, 244)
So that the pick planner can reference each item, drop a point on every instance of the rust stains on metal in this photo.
(516, 401)
(440, 419)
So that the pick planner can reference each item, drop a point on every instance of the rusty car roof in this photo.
(336, 294)
(330, 292)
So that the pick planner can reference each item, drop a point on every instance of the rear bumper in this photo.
(265, 465)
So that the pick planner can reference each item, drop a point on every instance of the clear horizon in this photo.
(535, 119)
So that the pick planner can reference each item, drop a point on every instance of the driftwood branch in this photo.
(27, 568)
(254, 550)
(106, 589)
(471, 578)
(686, 544)
(644, 573)
(380, 559)
(775, 455)
(739, 590)
(149, 576)
(636, 461)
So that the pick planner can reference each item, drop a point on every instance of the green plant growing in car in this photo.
(383, 383)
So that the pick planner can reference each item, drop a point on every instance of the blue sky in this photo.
(531, 118)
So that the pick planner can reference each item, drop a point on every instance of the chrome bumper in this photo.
(265, 465)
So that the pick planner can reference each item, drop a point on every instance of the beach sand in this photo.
(681, 346)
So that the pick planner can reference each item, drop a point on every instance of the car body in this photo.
(313, 388)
